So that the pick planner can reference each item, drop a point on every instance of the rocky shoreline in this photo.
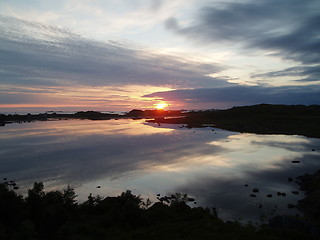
(310, 205)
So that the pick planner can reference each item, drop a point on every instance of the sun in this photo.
(161, 106)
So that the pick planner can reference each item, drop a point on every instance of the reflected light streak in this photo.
(254, 148)
(241, 141)
(190, 163)
(83, 128)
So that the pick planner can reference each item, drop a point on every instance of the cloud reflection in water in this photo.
(122, 154)
(256, 161)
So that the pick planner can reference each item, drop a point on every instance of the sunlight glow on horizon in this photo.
(161, 106)
(61, 56)
(84, 98)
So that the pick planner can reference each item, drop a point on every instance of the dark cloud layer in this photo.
(244, 95)
(289, 28)
(302, 73)
(37, 54)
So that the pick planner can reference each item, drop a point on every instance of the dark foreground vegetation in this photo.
(57, 215)
(310, 205)
(261, 119)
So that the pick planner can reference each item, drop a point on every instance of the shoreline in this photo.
(90, 115)
(259, 119)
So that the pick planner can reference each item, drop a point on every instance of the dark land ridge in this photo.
(91, 115)
(261, 119)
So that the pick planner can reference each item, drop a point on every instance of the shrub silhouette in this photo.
(11, 210)
(57, 215)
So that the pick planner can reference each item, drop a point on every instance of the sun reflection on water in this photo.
(81, 128)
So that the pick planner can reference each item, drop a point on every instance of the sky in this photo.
(119, 55)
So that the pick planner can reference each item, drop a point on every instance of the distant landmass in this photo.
(92, 115)
(261, 119)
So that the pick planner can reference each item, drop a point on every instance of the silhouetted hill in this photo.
(262, 119)
(136, 113)
(91, 115)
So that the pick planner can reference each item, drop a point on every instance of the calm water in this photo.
(212, 166)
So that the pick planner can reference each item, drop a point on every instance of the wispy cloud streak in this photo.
(33, 53)
(288, 29)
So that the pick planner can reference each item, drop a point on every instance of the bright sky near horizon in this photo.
(123, 54)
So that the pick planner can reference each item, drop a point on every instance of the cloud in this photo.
(287, 29)
(243, 95)
(38, 54)
(303, 73)
(156, 4)
(287, 25)
(172, 24)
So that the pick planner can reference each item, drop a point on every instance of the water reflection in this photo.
(213, 166)
(262, 162)
(75, 151)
